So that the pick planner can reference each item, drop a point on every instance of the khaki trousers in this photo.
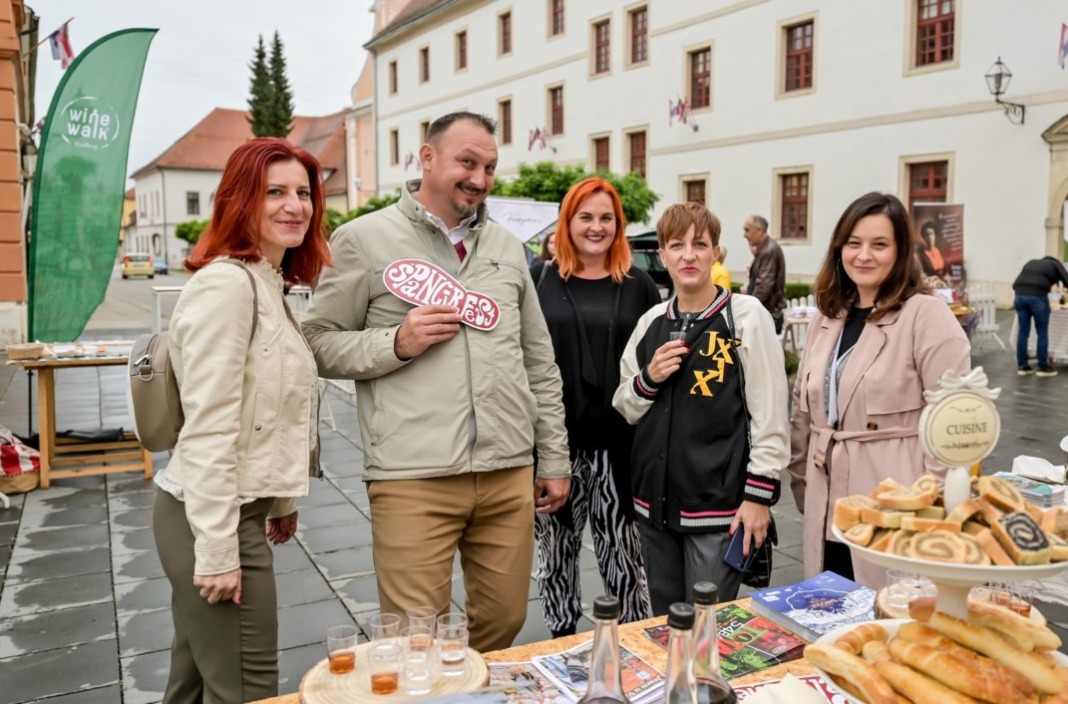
(418, 525)
(221, 653)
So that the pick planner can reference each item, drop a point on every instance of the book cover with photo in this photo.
(569, 672)
(816, 606)
(523, 683)
(748, 642)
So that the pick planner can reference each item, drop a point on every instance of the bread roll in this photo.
(990, 643)
(1005, 620)
(1058, 547)
(882, 539)
(964, 511)
(928, 483)
(871, 686)
(976, 555)
(916, 632)
(860, 534)
(935, 512)
(875, 651)
(855, 639)
(917, 523)
(904, 499)
(888, 484)
(973, 528)
(1001, 493)
(899, 543)
(1055, 521)
(1023, 539)
(919, 687)
(993, 548)
(954, 673)
(939, 546)
(847, 511)
(989, 512)
(882, 518)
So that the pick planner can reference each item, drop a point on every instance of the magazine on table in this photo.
(816, 606)
(747, 642)
(523, 683)
(569, 672)
(816, 682)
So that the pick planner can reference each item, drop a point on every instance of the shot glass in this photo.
(384, 626)
(452, 620)
(419, 661)
(452, 649)
(901, 588)
(341, 649)
(677, 335)
(423, 617)
(384, 661)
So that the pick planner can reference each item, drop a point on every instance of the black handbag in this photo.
(758, 575)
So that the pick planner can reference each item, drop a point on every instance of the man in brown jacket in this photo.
(767, 275)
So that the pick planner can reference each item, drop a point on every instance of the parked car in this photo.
(160, 265)
(645, 250)
(138, 264)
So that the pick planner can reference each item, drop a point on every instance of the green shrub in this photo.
(792, 362)
(796, 290)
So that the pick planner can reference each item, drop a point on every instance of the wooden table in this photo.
(62, 458)
(630, 635)
(794, 331)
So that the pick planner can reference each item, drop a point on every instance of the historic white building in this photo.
(794, 107)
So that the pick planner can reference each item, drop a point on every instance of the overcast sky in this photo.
(199, 58)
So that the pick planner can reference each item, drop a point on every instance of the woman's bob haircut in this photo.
(618, 256)
(835, 291)
(239, 202)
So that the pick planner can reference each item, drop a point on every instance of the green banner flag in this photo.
(81, 178)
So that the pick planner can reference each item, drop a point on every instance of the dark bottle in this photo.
(679, 685)
(712, 687)
(605, 686)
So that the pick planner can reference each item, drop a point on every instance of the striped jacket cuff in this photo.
(762, 490)
(644, 386)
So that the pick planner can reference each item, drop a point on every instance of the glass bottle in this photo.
(679, 686)
(605, 685)
(712, 687)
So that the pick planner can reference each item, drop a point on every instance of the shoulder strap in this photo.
(255, 294)
(541, 276)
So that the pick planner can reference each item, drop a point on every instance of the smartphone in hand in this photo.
(734, 556)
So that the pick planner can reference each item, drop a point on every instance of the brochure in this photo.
(569, 672)
(816, 606)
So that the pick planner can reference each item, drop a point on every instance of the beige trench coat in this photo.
(880, 399)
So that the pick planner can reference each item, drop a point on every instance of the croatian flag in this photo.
(60, 42)
(1062, 52)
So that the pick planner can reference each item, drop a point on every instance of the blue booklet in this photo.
(816, 606)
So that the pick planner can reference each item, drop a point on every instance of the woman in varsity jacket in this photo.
(711, 416)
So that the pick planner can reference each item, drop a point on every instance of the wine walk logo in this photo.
(88, 123)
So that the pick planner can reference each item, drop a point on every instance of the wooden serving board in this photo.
(321, 687)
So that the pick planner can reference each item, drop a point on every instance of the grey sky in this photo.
(199, 58)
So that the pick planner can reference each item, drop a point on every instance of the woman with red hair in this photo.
(592, 297)
(248, 386)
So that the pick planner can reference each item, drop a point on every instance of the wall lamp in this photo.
(997, 81)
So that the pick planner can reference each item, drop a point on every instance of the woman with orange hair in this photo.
(248, 387)
(592, 297)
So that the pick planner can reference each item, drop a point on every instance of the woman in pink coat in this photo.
(878, 342)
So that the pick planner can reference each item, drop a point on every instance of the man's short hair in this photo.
(760, 222)
(440, 125)
(676, 221)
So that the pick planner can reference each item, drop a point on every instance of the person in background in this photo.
(548, 248)
(877, 343)
(1032, 287)
(592, 297)
(767, 274)
(449, 414)
(929, 248)
(250, 438)
(721, 275)
(700, 472)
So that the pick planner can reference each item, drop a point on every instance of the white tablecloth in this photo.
(1058, 336)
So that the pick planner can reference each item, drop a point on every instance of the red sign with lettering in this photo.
(423, 284)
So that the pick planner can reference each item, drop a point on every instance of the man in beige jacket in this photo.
(449, 413)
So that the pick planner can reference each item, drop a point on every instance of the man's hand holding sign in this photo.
(424, 326)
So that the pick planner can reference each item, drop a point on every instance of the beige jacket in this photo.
(896, 359)
(476, 403)
(250, 411)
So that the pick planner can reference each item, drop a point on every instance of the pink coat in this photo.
(880, 400)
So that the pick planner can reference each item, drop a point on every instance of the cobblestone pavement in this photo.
(84, 606)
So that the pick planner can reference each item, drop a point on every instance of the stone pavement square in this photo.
(85, 610)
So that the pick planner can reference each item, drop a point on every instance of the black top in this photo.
(588, 341)
(1038, 275)
(594, 299)
(854, 326)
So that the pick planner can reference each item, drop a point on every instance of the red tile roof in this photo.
(208, 145)
(414, 10)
